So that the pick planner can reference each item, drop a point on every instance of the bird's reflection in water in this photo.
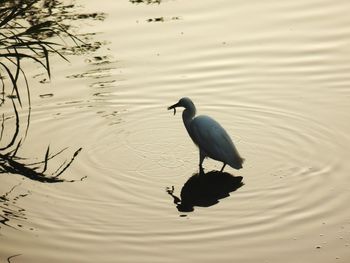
(205, 190)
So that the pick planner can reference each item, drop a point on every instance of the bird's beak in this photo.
(173, 107)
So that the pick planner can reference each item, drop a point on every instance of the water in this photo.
(274, 74)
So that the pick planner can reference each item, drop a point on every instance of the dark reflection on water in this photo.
(12, 139)
(25, 28)
(44, 11)
(145, 1)
(9, 210)
(205, 190)
(61, 13)
(162, 19)
(11, 257)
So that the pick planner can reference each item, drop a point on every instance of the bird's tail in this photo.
(237, 163)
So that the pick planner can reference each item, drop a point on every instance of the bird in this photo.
(209, 136)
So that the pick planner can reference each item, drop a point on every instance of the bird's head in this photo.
(183, 102)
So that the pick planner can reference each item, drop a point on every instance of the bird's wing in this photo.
(213, 139)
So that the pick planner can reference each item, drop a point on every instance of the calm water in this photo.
(275, 74)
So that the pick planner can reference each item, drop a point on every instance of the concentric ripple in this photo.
(275, 75)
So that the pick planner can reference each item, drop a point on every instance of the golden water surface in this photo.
(275, 74)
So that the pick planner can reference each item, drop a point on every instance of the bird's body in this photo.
(210, 137)
(221, 147)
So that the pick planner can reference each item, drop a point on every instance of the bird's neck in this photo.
(187, 116)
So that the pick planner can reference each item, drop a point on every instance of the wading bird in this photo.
(211, 139)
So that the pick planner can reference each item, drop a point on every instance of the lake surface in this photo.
(275, 74)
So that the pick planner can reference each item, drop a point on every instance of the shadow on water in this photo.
(205, 190)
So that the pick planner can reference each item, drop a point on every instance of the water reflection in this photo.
(10, 211)
(11, 257)
(41, 20)
(47, 11)
(25, 28)
(12, 140)
(101, 76)
(146, 1)
(162, 19)
(44, 19)
(205, 190)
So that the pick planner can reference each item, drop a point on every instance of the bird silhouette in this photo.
(210, 137)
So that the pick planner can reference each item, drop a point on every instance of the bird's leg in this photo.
(223, 167)
(201, 159)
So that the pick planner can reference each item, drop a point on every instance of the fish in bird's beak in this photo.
(173, 107)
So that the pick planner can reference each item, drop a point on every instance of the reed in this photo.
(22, 38)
